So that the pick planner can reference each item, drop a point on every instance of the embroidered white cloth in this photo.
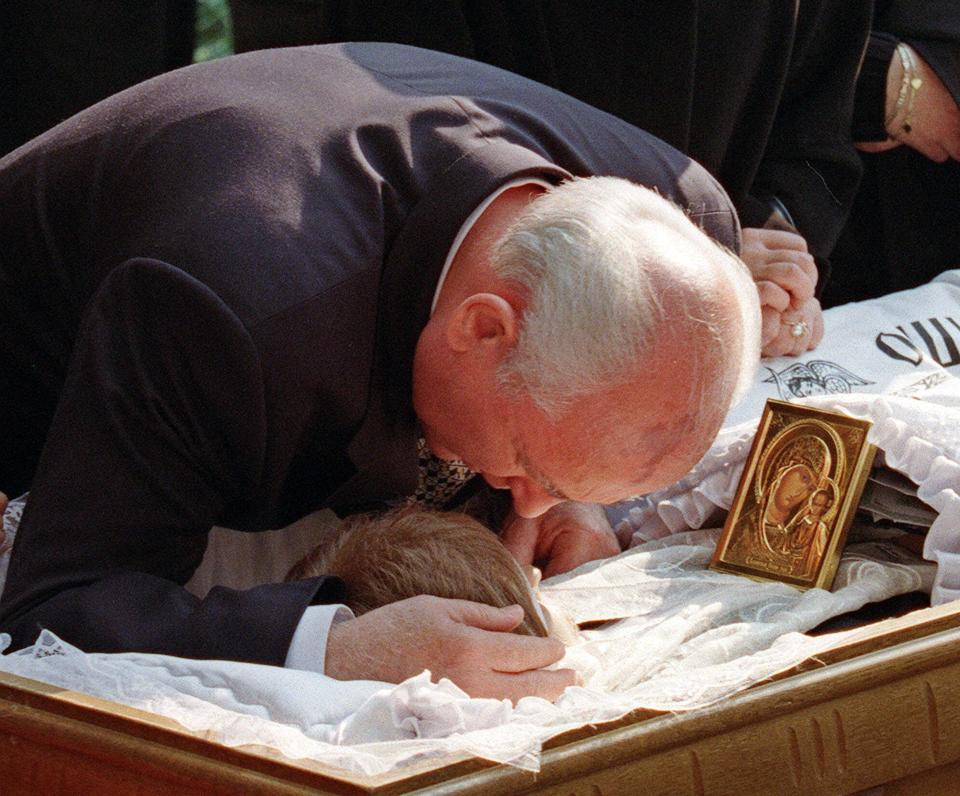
(686, 637)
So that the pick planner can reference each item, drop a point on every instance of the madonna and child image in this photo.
(797, 496)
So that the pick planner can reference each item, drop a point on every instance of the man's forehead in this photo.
(634, 438)
(591, 473)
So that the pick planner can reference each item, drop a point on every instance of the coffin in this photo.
(881, 708)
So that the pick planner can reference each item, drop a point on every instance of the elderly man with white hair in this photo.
(343, 277)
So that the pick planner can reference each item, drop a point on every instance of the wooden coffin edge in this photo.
(813, 720)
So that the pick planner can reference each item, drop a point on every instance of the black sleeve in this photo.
(869, 108)
(810, 163)
(937, 20)
(932, 28)
(160, 428)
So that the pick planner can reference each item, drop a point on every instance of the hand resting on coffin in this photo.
(467, 642)
(438, 591)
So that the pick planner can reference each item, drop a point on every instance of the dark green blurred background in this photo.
(214, 34)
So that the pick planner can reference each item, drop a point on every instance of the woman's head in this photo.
(390, 556)
(792, 486)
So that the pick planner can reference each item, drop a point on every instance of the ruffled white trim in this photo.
(920, 438)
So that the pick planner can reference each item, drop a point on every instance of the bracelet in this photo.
(902, 95)
(915, 83)
(909, 88)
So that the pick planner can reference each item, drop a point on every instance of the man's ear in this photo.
(483, 319)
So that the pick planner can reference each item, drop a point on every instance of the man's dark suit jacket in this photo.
(222, 274)
(758, 92)
(903, 228)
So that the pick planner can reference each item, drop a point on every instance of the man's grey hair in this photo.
(608, 268)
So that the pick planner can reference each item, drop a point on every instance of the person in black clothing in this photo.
(58, 57)
(903, 229)
(759, 92)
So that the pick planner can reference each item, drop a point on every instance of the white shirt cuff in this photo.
(308, 648)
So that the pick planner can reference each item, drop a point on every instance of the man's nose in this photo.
(530, 499)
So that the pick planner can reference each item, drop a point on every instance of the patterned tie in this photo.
(439, 480)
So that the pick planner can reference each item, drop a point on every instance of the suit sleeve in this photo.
(932, 28)
(160, 430)
(810, 163)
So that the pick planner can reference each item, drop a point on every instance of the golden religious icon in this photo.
(797, 496)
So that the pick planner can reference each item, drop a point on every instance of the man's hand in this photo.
(568, 535)
(786, 277)
(934, 119)
(469, 643)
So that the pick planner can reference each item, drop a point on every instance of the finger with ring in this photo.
(798, 328)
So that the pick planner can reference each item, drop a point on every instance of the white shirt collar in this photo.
(468, 225)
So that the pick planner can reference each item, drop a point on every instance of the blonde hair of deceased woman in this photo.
(404, 552)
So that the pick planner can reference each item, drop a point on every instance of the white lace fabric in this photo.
(11, 521)
(684, 637)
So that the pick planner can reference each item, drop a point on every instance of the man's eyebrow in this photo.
(542, 481)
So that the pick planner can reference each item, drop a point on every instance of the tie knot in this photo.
(438, 480)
